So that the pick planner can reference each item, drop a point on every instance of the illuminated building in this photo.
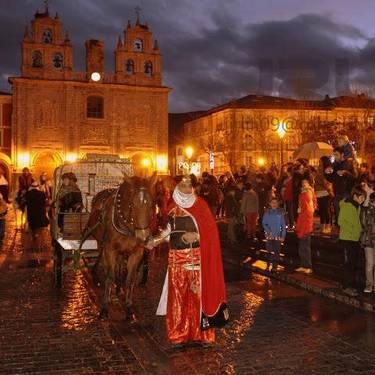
(243, 131)
(60, 114)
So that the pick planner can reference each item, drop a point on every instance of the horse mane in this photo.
(139, 182)
(136, 181)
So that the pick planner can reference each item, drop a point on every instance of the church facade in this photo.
(60, 114)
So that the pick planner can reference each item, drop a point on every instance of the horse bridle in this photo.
(129, 220)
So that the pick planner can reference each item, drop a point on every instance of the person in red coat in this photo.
(193, 297)
(304, 226)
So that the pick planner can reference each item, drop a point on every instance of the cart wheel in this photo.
(57, 266)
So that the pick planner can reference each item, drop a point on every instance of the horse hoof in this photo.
(103, 314)
(130, 316)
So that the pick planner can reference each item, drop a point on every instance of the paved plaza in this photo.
(274, 328)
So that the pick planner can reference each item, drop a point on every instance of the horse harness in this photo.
(121, 223)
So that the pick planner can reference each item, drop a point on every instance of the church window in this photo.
(129, 67)
(138, 45)
(58, 60)
(37, 61)
(47, 36)
(148, 68)
(95, 107)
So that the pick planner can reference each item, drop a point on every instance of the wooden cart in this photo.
(94, 174)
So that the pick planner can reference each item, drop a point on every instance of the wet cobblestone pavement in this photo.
(274, 328)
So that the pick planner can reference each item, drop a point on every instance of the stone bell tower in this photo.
(94, 57)
(46, 50)
(137, 56)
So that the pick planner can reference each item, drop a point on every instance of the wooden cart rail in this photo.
(68, 250)
(74, 224)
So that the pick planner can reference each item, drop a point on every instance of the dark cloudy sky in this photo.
(217, 50)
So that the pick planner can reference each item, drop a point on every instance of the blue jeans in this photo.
(352, 251)
(273, 247)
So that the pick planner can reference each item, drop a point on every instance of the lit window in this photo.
(37, 59)
(130, 67)
(58, 60)
(148, 68)
(138, 45)
(47, 36)
(95, 107)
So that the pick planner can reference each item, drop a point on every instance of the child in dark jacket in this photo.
(249, 210)
(275, 230)
(232, 212)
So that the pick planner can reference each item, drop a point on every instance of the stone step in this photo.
(315, 284)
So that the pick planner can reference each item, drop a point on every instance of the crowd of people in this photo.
(338, 193)
(336, 198)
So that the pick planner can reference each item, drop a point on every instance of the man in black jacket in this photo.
(36, 213)
(342, 176)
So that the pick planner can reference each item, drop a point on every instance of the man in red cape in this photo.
(193, 297)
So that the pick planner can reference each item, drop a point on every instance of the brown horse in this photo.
(120, 221)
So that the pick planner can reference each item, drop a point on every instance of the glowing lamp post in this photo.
(23, 160)
(261, 162)
(71, 157)
(146, 165)
(189, 151)
(281, 132)
(162, 163)
(146, 162)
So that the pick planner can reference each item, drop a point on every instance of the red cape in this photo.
(212, 274)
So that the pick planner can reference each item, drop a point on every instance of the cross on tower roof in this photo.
(46, 4)
(138, 12)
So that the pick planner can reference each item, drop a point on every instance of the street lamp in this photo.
(261, 162)
(145, 165)
(189, 151)
(146, 162)
(281, 133)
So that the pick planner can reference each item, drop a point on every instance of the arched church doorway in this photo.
(4, 168)
(45, 162)
(5, 190)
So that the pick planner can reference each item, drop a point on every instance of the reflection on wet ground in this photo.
(274, 328)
